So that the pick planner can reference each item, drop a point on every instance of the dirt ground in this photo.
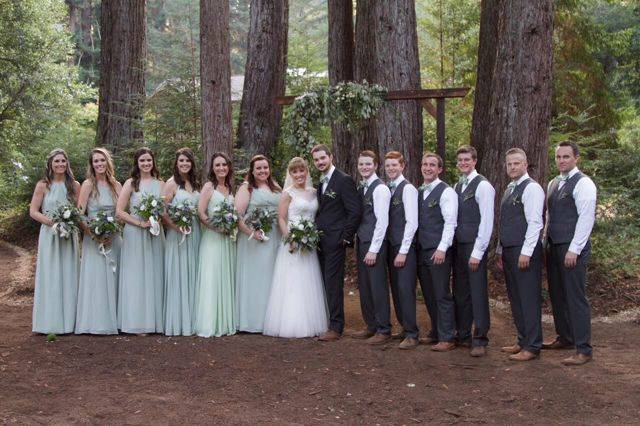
(247, 379)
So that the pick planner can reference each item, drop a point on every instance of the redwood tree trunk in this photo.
(264, 76)
(398, 125)
(87, 60)
(514, 89)
(215, 76)
(122, 61)
(341, 51)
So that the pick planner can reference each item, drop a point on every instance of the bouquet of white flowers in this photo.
(303, 236)
(261, 220)
(182, 214)
(104, 226)
(150, 208)
(66, 219)
(225, 217)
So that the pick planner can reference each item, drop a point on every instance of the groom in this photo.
(338, 218)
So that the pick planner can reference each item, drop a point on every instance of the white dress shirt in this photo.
(328, 176)
(381, 200)
(410, 201)
(449, 208)
(585, 196)
(533, 205)
(484, 196)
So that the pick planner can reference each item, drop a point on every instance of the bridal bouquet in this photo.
(150, 208)
(303, 236)
(261, 220)
(183, 214)
(104, 226)
(225, 217)
(66, 219)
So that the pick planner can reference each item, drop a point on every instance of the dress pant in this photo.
(571, 310)
(524, 291)
(332, 255)
(403, 289)
(374, 290)
(435, 282)
(471, 296)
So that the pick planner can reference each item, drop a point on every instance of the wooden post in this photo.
(440, 132)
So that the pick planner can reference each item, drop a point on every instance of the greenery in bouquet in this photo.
(261, 220)
(66, 220)
(224, 217)
(150, 206)
(182, 214)
(303, 236)
(104, 225)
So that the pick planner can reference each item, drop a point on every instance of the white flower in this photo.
(184, 219)
(154, 203)
(142, 207)
(97, 231)
(66, 214)
(109, 218)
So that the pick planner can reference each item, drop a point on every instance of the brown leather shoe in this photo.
(556, 344)
(577, 359)
(399, 335)
(444, 347)
(362, 334)
(428, 340)
(408, 343)
(378, 339)
(478, 351)
(523, 356)
(511, 349)
(329, 336)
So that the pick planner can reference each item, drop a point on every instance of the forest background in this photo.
(50, 73)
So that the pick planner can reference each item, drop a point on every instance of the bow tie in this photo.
(392, 186)
(364, 185)
(464, 180)
(512, 185)
(562, 178)
(324, 179)
(426, 187)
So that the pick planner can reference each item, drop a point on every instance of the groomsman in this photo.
(437, 217)
(571, 207)
(403, 222)
(372, 251)
(473, 233)
(520, 254)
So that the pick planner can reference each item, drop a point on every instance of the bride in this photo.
(297, 305)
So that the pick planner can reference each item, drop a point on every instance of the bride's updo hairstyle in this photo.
(297, 163)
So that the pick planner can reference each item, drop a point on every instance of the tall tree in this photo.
(215, 76)
(122, 64)
(514, 87)
(264, 76)
(341, 52)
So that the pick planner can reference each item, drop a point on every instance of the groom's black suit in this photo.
(338, 218)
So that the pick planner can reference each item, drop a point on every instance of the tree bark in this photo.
(73, 23)
(514, 89)
(399, 125)
(341, 64)
(215, 76)
(122, 62)
(264, 76)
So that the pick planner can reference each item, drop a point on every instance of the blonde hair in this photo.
(297, 163)
(109, 173)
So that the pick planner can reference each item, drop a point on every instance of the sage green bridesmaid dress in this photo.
(56, 281)
(180, 273)
(141, 278)
(215, 295)
(254, 267)
(98, 290)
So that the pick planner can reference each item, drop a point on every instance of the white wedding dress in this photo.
(297, 305)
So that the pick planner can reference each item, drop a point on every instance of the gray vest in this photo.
(368, 218)
(513, 223)
(397, 219)
(468, 211)
(562, 212)
(430, 219)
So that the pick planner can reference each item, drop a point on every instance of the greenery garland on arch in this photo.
(348, 103)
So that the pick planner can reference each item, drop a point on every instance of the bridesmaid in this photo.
(56, 288)
(141, 259)
(255, 259)
(98, 292)
(181, 256)
(215, 300)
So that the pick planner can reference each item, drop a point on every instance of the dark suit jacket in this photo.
(340, 209)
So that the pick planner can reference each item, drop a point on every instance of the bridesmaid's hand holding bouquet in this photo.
(104, 227)
(182, 215)
(150, 208)
(66, 220)
(261, 221)
(303, 236)
(225, 218)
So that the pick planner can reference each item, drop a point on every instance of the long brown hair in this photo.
(193, 173)
(250, 178)
(109, 173)
(69, 179)
(228, 180)
(135, 171)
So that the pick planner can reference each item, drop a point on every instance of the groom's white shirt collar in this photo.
(329, 173)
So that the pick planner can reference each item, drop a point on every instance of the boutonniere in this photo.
(331, 194)
(516, 200)
(396, 202)
(468, 196)
(433, 203)
(368, 201)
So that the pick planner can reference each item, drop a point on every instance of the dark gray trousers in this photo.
(374, 290)
(524, 291)
(403, 289)
(435, 282)
(471, 296)
(571, 310)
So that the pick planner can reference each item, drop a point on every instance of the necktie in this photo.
(392, 186)
(511, 187)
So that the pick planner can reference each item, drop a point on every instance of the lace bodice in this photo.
(304, 204)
